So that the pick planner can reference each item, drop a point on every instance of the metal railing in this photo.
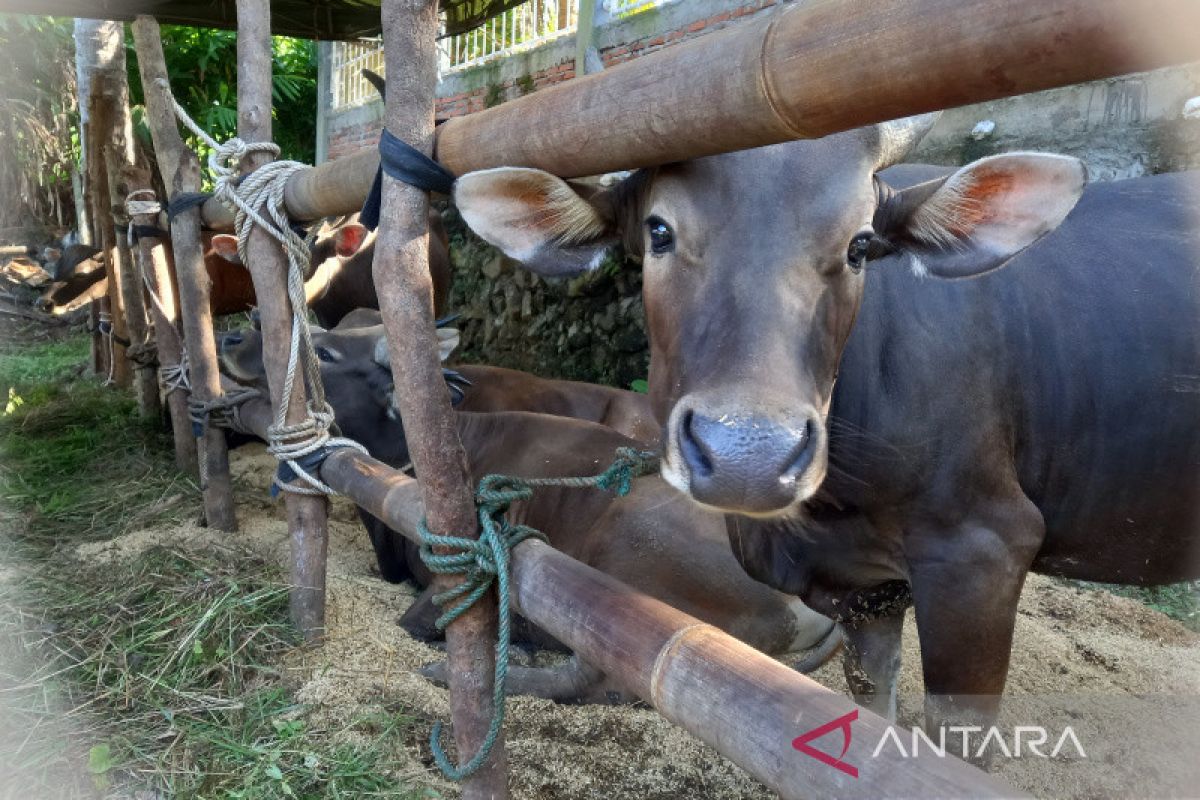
(350, 88)
(520, 28)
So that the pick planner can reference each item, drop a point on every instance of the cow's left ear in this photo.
(349, 239)
(979, 217)
(225, 245)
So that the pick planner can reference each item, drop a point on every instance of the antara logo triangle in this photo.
(842, 723)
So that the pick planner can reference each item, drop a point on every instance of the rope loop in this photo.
(174, 377)
(485, 561)
(299, 447)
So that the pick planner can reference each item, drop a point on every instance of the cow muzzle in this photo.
(745, 463)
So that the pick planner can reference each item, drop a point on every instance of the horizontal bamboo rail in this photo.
(813, 69)
(746, 705)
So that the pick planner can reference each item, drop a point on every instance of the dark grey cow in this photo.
(1042, 417)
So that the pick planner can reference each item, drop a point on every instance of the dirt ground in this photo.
(1125, 677)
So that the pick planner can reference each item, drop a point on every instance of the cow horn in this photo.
(898, 137)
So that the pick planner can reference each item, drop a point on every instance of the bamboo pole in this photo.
(811, 69)
(181, 173)
(405, 289)
(746, 705)
(152, 261)
(307, 515)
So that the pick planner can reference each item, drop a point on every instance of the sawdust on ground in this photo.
(1079, 654)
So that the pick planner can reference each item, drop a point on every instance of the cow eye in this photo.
(662, 240)
(859, 250)
(325, 355)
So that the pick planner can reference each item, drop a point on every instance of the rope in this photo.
(105, 327)
(174, 377)
(485, 560)
(299, 447)
(222, 412)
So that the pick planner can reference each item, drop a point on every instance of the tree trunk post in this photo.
(155, 270)
(181, 173)
(308, 524)
(119, 155)
(405, 291)
(101, 112)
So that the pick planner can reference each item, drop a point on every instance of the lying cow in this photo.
(1043, 417)
(692, 568)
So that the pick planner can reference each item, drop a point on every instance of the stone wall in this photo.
(590, 328)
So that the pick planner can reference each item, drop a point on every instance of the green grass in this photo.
(75, 456)
(160, 674)
(1179, 601)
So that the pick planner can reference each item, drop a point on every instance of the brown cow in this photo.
(693, 568)
(955, 469)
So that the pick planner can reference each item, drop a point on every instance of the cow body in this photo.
(1040, 417)
(691, 568)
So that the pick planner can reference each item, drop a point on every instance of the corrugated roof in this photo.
(307, 19)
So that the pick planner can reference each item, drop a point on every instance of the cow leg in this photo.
(573, 682)
(872, 662)
(966, 581)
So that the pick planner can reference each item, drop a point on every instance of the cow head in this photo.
(357, 378)
(753, 274)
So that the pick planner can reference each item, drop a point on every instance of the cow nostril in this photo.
(693, 449)
(231, 339)
(801, 455)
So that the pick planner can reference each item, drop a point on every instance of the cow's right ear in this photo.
(225, 245)
(536, 219)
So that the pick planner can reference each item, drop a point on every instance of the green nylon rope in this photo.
(485, 560)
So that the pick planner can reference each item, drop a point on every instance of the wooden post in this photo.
(101, 112)
(181, 173)
(405, 290)
(153, 265)
(306, 514)
(119, 154)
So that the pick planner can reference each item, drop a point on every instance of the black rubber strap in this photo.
(407, 164)
(184, 201)
(149, 231)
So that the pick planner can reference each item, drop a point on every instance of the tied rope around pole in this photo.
(300, 447)
(105, 327)
(174, 377)
(485, 560)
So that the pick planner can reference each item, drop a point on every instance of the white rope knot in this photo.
(299, 447)
(302, 447)
(174, 377)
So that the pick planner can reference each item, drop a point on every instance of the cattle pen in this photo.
(796, 74)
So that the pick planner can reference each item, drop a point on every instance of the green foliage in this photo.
(525, 84)
(494, 95)
(202, 67)
(641, 386)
